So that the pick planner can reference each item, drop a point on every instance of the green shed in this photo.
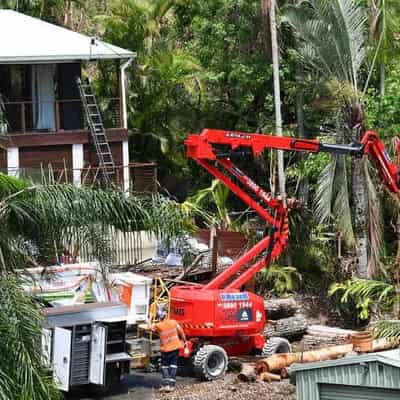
(367, 377)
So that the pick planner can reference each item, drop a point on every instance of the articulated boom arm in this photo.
(213, 149)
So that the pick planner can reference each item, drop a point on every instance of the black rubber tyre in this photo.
(276, 345)
(210, 362)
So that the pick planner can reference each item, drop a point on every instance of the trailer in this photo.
(87, 344)
(90, 336)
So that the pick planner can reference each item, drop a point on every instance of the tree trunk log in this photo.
(289, 328)
(328, 331)
(280, 308)
(248, 373)
(277, 362)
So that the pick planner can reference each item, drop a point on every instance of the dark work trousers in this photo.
(169, 366)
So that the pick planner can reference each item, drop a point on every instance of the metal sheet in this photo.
(98, 354)
(344, 392)
(62, 357)
(36, 41)
(84, 314)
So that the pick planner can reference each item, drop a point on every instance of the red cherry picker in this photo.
(219, 319)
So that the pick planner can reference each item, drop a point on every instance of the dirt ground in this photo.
(228, 388)
(145, 387)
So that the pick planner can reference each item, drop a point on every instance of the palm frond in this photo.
(324, 196)
(341, 205)
(367, 294)
(44, 215)
(387, 329)
(22, 373)
(332, 37)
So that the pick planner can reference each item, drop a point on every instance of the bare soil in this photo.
(230, 388)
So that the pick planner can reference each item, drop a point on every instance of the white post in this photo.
(123, 92)
(77, 164)
(277, 95)
(13, 161)
(125, 165)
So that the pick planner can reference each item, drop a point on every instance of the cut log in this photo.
(311, 342)
(318, 336)
(280, 308)
(248, 373)
(277, 362)
(289, 328)
(328, 331)
(268, 377)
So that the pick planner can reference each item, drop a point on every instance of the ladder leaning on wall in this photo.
(96, 126)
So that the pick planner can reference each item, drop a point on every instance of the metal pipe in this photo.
(352, 148)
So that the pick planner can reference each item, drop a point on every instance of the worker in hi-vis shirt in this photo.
(171, 337)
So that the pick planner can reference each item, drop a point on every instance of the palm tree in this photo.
(333, 46)
(167, 77)
(384, 16)
(33, 220)
(23, 375)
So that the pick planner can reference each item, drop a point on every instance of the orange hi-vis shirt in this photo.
(168, 332)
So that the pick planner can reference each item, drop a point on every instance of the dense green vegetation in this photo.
(208, 64)
(36, 222)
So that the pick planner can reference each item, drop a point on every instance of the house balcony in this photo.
(59, 122)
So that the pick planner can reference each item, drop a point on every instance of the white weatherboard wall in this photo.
(77, 163)
(125, 164)
(13, 161)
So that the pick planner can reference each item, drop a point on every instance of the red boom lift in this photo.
(218, 318)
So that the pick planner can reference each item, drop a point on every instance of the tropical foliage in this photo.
(36, 222)
(23, 374)
(279, 280)
(208, 64)
(368, 295)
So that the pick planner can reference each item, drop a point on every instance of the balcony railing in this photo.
(54, 116)
(142, 176)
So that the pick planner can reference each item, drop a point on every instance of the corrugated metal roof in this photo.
(390, 357)
(31, 40)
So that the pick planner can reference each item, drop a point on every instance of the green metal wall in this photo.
(370, 374)
(344, 392)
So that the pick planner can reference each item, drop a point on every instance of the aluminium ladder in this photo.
(95, 122)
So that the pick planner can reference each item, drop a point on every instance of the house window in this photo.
(43, 97)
